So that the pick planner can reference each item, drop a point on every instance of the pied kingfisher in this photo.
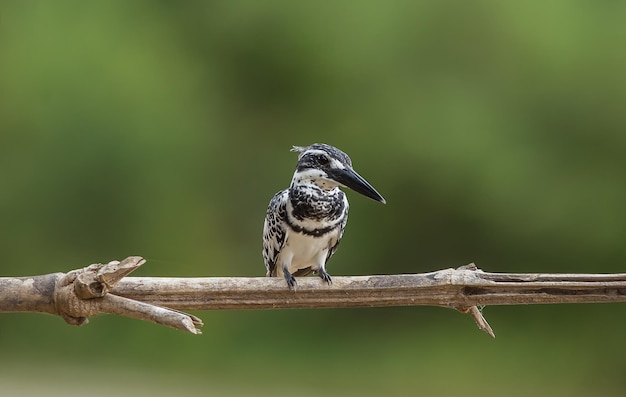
(304, 223)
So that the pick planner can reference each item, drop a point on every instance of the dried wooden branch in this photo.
(463, 289)
(83, 293)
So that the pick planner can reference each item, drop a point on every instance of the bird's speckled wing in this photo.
(274, 231)
(341, 227)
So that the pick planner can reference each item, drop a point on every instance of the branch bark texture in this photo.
(461, 287)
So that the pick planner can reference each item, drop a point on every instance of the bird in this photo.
(305, 223)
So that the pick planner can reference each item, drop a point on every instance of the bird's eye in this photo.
(322, 159)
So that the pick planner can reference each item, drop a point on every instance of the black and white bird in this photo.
(305, 223)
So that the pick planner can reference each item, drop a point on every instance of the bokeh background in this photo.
(495, 130)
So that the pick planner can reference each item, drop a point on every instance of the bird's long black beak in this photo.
(349, 178)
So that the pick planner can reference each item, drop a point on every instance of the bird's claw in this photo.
(291, 281)
(325, 277)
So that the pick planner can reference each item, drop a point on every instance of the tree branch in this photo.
(104, 289)
(83, 293)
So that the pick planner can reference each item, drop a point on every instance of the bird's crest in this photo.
(299, 149)
(330, 150)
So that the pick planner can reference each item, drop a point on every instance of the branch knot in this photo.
(85, 292)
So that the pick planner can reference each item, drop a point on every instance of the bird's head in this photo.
(328, 167)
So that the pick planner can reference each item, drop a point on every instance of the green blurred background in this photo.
(495, 130)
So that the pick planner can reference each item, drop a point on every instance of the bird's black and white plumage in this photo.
(305, 223)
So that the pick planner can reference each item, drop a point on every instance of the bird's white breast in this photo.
(302, 251)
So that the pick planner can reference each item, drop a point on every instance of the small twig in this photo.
(121, 306)
(477, 315)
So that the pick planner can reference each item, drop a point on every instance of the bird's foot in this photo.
(325, 276)
(291, 280)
